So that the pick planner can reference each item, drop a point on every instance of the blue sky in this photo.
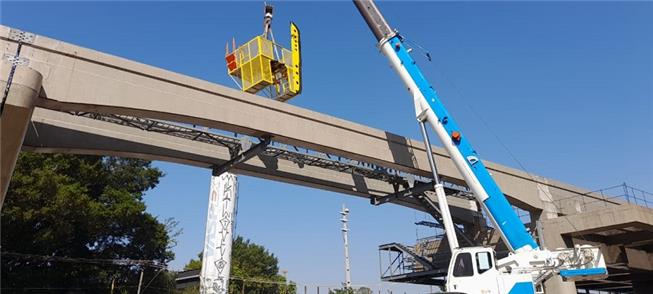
(566, 86)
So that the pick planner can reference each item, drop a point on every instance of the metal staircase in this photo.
(407, 266)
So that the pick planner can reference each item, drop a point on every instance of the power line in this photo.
(80, 288)
(122, 262)
(510, 153)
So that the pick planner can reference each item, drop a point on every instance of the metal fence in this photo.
(606, 197)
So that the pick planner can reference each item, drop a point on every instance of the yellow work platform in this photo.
(262, 65)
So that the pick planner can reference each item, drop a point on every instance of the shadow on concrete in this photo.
(271, 163)
(359, 183)
(400, 152)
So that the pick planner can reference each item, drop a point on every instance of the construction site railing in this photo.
(606, 197)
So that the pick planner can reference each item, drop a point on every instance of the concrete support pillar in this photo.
(552, 240)
(216, 261)
(23, 92)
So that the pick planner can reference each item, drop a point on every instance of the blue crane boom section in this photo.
(496, 204)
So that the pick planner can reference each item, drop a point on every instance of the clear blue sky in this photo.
(566, 86)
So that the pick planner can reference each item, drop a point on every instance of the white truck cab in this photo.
(474, 270)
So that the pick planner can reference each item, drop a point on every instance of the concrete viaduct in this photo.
(65, 98)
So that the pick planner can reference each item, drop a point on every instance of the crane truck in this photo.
(475, 269)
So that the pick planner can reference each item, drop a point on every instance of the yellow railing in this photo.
(253, 64)
(261, 63)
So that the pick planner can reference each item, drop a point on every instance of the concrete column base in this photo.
(553, 240)
(555, 285)
(25, 88)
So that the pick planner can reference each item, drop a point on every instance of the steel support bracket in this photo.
(434, 211)
(15, 60)
(242, 157)
(21, 36)
(416, 190)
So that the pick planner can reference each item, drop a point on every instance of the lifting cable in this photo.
(505, 147)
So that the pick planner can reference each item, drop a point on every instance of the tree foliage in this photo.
(194, 264)
(361, 290)
(252, 267)
(66, 217)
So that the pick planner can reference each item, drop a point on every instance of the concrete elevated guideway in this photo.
(77, 79)
(84, 101)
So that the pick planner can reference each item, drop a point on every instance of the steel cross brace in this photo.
(242, 157)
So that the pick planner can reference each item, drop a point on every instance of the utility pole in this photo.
(345, 237)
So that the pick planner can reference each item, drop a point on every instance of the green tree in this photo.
(361, 290)
(194, 264)
(66, 217)
(252, 267)
(341, 291)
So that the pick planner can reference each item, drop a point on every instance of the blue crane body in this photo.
(528, 265)
(497, 205)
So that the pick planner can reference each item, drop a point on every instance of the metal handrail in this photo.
(605, 197)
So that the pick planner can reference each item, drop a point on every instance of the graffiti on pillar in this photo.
(216, 261)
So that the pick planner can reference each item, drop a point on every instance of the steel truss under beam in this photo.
(414, 185)
(242, 157)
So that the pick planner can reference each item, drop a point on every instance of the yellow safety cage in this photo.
(261, 65)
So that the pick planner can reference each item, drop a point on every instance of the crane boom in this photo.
(429, 108)
(523, 271)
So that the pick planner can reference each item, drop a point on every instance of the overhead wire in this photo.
(503, 145)
(123, 262)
